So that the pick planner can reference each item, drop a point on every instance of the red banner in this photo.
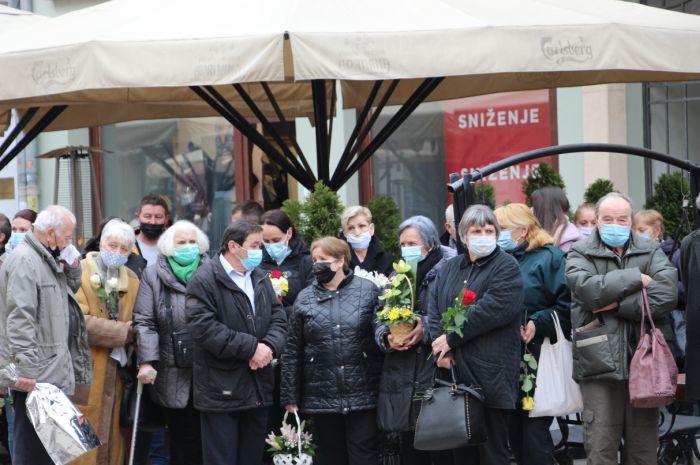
(482, 130)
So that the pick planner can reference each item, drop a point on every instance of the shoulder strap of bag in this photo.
(557, 326)
(646, 314)
(169, 307)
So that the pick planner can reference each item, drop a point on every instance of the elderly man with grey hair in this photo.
(449, 237)
(487, 353)
(43, 330)
(607, 273)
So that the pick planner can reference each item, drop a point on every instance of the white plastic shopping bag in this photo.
(556, 392)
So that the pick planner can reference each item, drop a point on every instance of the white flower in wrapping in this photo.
(95, 281)
(112, 283)
(377, 278)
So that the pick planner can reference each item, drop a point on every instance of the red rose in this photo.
(468, 297)
(276, 274)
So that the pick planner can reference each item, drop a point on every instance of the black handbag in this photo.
(451, 416)
(181, 339)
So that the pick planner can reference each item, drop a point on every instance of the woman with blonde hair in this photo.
(331, 365)
(366, 250)
(542, 268)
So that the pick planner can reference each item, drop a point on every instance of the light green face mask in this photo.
(186, 254)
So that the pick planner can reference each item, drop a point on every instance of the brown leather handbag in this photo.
(653, 371)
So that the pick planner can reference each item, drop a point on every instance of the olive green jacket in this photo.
(598, 277)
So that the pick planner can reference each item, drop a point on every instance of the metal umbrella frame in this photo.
(405, 53)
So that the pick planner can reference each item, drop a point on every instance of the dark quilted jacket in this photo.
(226, 333)
(489, 352)
(331, 363)
(408, 373)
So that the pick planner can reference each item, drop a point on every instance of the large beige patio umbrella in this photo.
(387, 52)
(483, 47)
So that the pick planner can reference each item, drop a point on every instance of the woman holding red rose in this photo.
(487, 354)
(542, 267)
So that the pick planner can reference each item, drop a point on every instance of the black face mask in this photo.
(152, 231)
(323, 272)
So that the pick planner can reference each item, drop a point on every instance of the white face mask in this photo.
(481, 246)
(359, 242)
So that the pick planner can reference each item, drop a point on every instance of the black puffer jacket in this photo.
(409, 373)
(226, 335)
(331, 363)
(297, 269)
(489, 352)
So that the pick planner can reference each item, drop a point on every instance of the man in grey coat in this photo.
(42, 330)
(606, 273)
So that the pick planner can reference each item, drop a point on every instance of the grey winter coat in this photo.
(152, 324)
(331, 363)
(597, 277)
(44, 332)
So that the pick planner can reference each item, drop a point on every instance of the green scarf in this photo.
(183, 273)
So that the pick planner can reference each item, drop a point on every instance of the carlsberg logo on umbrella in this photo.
(563, 50)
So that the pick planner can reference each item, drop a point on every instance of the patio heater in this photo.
(75, 187)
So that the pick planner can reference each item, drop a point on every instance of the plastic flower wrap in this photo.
(280, 283)
(377, 278)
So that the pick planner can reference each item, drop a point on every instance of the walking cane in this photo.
(139, 391)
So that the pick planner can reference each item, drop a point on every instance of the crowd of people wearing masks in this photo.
(224, 353)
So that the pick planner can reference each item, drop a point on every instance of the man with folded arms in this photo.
(606, 273)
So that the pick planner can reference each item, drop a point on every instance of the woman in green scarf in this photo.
(164, 344)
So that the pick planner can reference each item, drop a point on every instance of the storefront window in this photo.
(461, 136)
(672, 110)
(190, 161)
(410, 166)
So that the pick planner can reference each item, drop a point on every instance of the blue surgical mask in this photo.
(645, 236)
(614, 235)
(506, 241)
(413, 253)
(277, 251)
(253, 260)
(585, 232)
(16, 239)
(186, 254)
(481, 246)
(113, 259)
